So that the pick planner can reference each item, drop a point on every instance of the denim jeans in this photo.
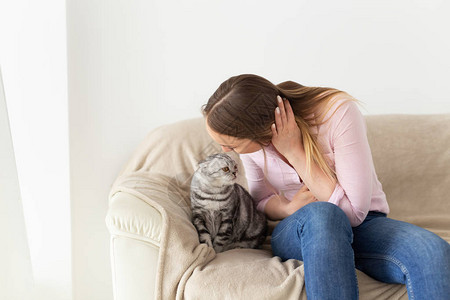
(391, 251)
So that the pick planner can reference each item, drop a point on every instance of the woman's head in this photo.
(241, 111)
(231, 143)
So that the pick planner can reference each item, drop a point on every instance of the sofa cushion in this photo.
(411, 155)
(257, 274)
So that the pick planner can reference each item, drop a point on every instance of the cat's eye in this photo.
(225, 169)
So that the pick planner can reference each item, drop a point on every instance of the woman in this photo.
(333, 210)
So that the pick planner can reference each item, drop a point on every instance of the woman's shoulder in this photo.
(341, 107)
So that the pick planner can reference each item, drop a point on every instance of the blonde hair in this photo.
(243, 107)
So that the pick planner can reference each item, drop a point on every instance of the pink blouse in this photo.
(344, 141)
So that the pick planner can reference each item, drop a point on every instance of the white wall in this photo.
(33, 59)
(134, 65)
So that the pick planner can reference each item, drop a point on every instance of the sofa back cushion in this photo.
(411, 155)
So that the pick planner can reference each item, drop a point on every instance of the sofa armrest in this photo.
(135, 229)
(131, 217)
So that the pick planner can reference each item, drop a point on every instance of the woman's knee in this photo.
(326, 218)
(431, 249)
(326, 212)
(416, 246)
(427, 260)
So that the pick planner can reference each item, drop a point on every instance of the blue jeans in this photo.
(391, 251)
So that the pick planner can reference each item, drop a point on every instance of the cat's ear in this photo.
(208, 158)
(201, 162)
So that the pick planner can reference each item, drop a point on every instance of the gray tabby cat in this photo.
(223, 212)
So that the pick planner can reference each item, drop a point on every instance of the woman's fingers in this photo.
(282, 110)
(289, 111)
(274, 130)
(278, 121)
(280, 115)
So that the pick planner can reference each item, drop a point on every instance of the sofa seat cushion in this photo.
(256, 274)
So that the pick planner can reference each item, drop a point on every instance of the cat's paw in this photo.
(232, 246)
(218, 249)
(209, 243)
(237, 247)
(206, 241)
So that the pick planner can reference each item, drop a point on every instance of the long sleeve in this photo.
(353, 163)
(256, 185)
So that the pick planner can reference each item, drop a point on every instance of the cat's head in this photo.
(219, 169)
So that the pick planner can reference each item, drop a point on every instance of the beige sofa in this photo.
(155, 253)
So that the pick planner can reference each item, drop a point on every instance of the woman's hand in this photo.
(300, 199)
(286, 136)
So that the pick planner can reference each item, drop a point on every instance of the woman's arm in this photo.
(353, 163)
(278, 208)
(257, 187)
(287, 139)
(317, 181)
